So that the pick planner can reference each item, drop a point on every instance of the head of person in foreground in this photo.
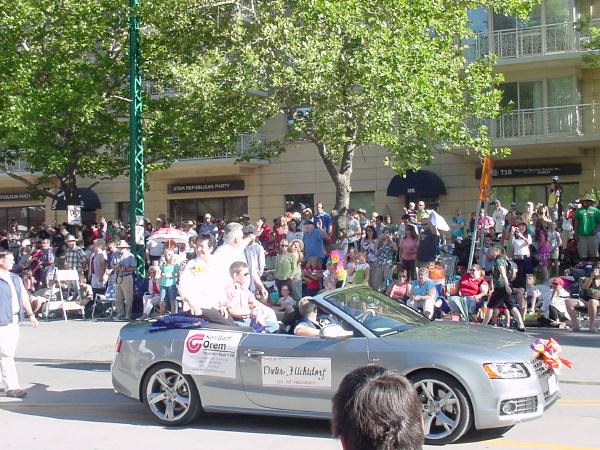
(377, 409)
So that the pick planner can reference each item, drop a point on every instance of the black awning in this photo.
(89, 200)
(421, 183)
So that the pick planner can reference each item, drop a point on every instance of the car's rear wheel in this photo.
(446, 411)
(171, 397)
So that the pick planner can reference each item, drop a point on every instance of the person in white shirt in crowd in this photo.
(97, 267)
(14, 307)
(188, 228)
(196, 284)
(255, 258)
(353, 230)
(286, 301)
(154, 251)
(293, 232)
(554, 305)
(499, 216)
(521, 241)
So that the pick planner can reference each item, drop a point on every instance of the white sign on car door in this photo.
(296, 372)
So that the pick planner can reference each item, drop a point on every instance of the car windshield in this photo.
(379, 313)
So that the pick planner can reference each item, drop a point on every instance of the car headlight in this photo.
(507, 370)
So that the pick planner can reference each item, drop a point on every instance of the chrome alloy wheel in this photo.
(440, 407)
(168, 395)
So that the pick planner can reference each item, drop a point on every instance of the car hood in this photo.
(494, 343)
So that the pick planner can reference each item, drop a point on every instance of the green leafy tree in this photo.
(388, 73)
(64, 91)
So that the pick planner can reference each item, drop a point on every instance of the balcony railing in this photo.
(528, 41)
(246, 142)
(566, 121)
(18, 166)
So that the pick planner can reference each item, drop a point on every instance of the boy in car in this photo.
(241, 304)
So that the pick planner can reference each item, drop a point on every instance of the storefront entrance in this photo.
(227, 208)
(26, 216)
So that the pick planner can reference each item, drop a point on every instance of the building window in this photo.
(536, 193)
(227, 208)
(27, 216)
(297, 202)
(365, 200)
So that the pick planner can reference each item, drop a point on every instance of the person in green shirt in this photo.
(585, 221)
(285, 264)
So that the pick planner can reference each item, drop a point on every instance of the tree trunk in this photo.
(342, 200)
(341, 180)
(69, 187)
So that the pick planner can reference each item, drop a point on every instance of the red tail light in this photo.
(119, 344)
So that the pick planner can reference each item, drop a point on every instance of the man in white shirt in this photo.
(196, 284)
(231, 251)
(14, 306)
(499, 216)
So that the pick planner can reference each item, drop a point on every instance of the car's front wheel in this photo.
(170, 396)
(446, 412)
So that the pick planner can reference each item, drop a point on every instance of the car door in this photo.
(297, 373)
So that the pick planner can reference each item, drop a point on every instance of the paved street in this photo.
(71, 404)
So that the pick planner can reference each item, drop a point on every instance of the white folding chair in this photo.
(69, 275)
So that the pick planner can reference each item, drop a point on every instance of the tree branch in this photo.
(329, 165)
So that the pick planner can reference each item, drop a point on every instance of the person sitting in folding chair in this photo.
(473, 288)
(152, 297)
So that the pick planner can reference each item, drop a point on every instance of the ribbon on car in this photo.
(548, 350)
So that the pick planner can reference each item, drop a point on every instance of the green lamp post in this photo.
(136, 146)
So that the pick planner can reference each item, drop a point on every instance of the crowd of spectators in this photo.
(518, 270)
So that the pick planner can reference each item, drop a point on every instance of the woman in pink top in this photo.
(409, 243)
(400, 290)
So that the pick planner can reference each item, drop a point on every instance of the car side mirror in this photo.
(334, 332)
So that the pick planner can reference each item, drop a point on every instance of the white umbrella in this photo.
(165, 235)
(438, 221)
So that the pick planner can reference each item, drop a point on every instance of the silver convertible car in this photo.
(467, 376)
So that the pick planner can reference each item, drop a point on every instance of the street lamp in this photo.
(136, 146)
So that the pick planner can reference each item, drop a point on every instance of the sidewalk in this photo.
(87, 341)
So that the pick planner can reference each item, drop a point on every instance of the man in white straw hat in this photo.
(124, 265)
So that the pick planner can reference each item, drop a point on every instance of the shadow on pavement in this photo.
(105, 406)
(85, 366)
